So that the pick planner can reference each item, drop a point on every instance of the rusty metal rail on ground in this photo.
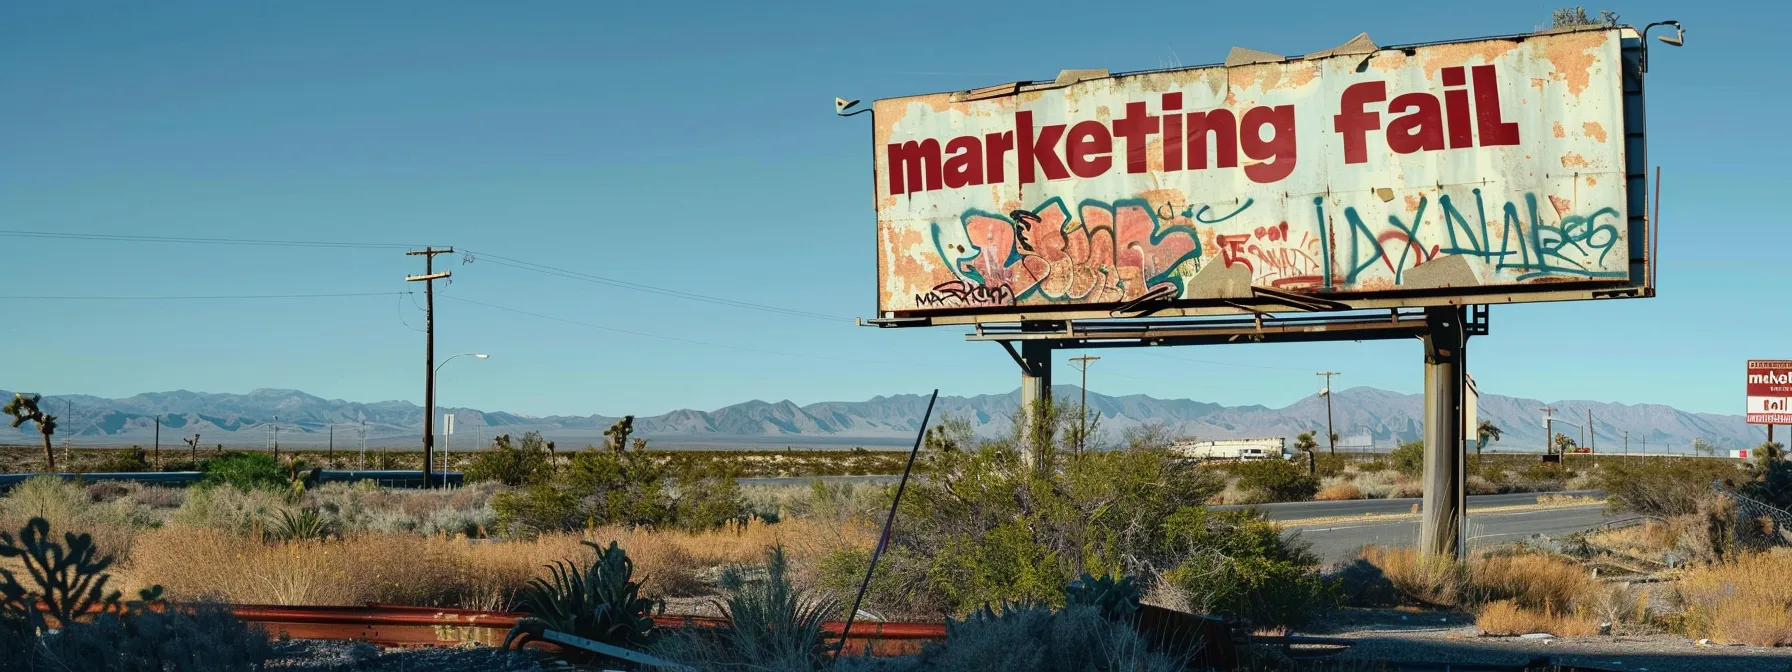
(406, 626)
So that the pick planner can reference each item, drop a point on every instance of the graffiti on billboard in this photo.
(1493, 164)
(1117, 252)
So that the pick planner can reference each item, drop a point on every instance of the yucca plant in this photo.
(298, 525)
(601, 602)
(773, 624)
(70, 578)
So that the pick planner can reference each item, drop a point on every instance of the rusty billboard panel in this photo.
(1488, 171)
(1769, 392)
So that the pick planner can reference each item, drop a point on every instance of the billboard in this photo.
(1770, 392)
(1484, 171)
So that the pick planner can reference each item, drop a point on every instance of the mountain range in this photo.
(1364, 417)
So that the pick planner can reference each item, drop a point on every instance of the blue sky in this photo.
(691, 146)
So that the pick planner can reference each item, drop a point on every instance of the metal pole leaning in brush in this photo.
(883, 540)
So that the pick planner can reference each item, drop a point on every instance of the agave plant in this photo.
(601, 602)
(773, 624)
(1115, 599)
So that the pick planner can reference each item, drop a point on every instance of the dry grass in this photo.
(1429, 581)
(1745, 601)
(412, 569)
(1545, 584)
(1504, 617)
(1339, 492)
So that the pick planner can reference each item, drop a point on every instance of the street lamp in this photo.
(427, 477)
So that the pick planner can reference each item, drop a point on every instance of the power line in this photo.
(624, 284)
(124, 238)
(193, 298)
(658, 336)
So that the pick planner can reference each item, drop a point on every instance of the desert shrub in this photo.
(1276, 481)
(1664, 487)
(241, 512)
(1237, 564)
(1745, 600)
(979, 525)
(1770, 476)
(1505, 617)
(1409, 458)
(511, 463)
(1338, 492)
(1437, 582)
(200, 638)
(1542, 475)
(1022, 637)
(1378, 484)
(1331, 465)
(624, 486)
(131, 459)
(1536, 582)
(244, 471)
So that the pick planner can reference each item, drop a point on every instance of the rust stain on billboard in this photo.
(1313, 176)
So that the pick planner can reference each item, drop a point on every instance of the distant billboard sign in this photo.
(1770, 392)
(1496, 170)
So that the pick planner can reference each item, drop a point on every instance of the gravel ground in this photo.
(1401, 637)
(333, 656)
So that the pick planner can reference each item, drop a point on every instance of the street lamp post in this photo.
(428, 478)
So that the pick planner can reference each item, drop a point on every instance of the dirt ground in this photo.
(1394, 636)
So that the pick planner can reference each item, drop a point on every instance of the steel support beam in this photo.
(1440, 518)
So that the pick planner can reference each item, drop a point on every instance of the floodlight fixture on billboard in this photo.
(1769, 392)
(1489, 171)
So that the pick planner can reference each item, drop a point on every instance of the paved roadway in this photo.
(1339, 541)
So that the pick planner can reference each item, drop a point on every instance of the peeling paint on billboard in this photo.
(1409, 171)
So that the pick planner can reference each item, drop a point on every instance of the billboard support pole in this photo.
(1035, 361)
(1440, 520)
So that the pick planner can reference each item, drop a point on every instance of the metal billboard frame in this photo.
(1641, 227)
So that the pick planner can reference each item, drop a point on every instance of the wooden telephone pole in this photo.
(429, 350)
(1331, 435)
(1549, 431)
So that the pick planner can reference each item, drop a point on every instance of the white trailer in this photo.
(1233, 449)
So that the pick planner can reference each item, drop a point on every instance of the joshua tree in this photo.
(1485, 432)
(24, 409)
(1305, 443)
(616, 437)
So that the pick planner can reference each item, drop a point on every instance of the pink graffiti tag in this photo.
(1113, 254)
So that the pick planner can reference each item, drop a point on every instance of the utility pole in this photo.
(1549, 431)
(276, 438)
(158, 452)
(429, 350)
(1082, 364)
(363, 444)
(1626, 442)
(332, 454)
(1331, 435)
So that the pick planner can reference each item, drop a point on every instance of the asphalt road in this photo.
(1339, 541)
(1362, 507)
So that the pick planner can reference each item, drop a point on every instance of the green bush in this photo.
(1332, 464)
(1276, 481)
(511, 463)
(1240, 565)
(244, 471)
(624, 487)
(1409, 458)
(1659, 486)
(979, 525)
(134, 459)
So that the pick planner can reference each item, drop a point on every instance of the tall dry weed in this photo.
(1747, 600)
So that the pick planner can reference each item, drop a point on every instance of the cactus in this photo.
(23, 408)
(71, 577)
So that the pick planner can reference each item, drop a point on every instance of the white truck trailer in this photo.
(1272, 448)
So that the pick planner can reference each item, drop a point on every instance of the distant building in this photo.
(1233, 449)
